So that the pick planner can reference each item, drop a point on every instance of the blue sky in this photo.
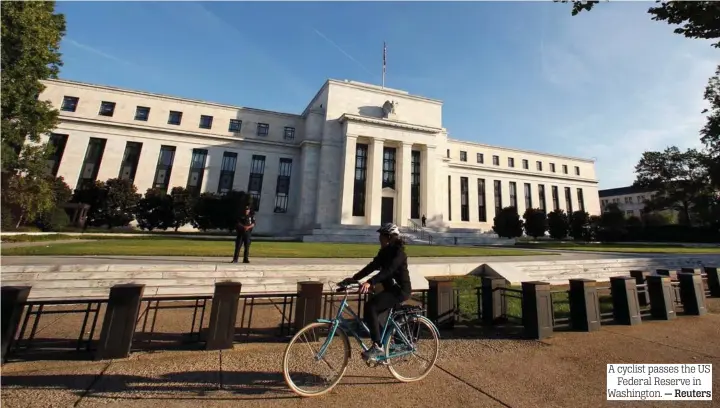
(608, 84)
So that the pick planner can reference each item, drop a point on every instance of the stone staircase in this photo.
(413, 234)
(560, 271)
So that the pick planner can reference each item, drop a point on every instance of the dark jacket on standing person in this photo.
(394, 275)
(244, 221)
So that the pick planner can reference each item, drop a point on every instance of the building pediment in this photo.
(347, 117)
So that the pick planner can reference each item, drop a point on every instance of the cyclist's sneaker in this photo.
(373, 353)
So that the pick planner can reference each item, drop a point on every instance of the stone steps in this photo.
(559, 272)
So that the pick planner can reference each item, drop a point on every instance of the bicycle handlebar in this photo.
(347, 285)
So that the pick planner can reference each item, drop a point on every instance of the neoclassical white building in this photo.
(359, 154)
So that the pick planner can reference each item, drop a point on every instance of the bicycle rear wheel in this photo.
(331, 366)
(424, 336)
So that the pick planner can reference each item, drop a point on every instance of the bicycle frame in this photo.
(343, 324)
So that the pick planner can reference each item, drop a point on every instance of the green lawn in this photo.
(195, 247)
(561, 304)
(628, 248)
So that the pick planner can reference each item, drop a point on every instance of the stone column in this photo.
(428, 191)
(373, 189)
(402, 184)
(348, 183)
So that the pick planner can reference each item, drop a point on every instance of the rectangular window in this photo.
(361, 155)
(388, 174)
(541, 194)
(565, 169)
(568, 200)
(263, 129)
(577, 170)
(415, 184)
(164, 167)
(581, 199)
(513, 194)
(289, 133)
(464, 197)
(448, 153)
(197, 171)
(449, 198)
(526, 164)
(539, 165)
(69, 104)
(282, 190)
(227, 172)
(57, 143)
(552, 167)
(555, 198)
(480, 158)
(129, 164)
(235, 125)
(174, 118)
(206, 122)
(142, 113)
(498, 196)
(257, 170)
(482, 209)
(107, 108)
(496, 160)
(91, 164)
(511, 162)
(528, 196)
(463, 156)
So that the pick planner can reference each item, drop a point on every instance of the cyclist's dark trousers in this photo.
(377, 304)
(242, 240)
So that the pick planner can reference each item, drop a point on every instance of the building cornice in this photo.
(347, 117)
(145, 94)
(381, 90)
(523, 173)
(511, 149)
(145, 128)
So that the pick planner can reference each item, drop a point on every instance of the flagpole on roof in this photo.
(384, 63)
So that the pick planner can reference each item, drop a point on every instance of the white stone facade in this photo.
(317, 150)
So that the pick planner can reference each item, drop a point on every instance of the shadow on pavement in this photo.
(191, 384)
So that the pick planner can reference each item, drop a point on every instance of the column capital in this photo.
(378, 140)
(349, 136)
(430, 147)
(404, 143)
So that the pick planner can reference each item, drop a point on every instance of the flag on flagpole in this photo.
(384, 63)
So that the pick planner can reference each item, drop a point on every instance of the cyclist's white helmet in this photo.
(389, 229)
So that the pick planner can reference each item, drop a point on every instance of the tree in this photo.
(680, 179)
(699, 19)
(535, 222)
(508, 223)
(557, 224)
(612, 223)
(31, 35)
(27, 197)
(579, 227)
(112, 203)
(155, 210)
(182, 207)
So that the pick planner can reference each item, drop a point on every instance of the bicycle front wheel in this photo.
(316, 359)
(416, 365)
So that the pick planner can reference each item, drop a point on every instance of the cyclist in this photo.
(394, 277)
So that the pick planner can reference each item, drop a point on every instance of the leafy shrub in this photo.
(507, 223)
(558, 224)
(535, 222)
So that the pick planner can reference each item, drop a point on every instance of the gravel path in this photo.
(567, 370)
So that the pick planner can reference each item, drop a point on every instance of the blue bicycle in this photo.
(326, 345)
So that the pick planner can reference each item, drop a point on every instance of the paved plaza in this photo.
(475, 369)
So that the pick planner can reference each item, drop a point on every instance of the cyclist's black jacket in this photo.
(394, 275)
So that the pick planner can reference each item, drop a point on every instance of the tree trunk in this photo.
(686, 211)
(20, 220)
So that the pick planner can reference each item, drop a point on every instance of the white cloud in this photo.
(98, 52)
(643, 83)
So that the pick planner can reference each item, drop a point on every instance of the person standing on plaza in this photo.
(423, 219)
(244, 228)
